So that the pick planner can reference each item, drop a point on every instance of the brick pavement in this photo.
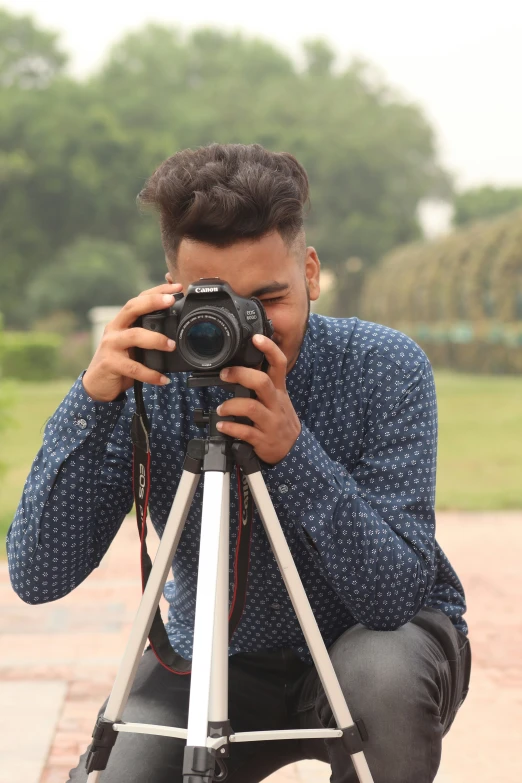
(76, 643)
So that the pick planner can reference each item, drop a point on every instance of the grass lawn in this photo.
(480, 442)
(480, 451)
(31, 405)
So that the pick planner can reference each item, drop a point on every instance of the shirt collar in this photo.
(298, 379)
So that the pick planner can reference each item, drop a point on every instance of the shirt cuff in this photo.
(79, 417)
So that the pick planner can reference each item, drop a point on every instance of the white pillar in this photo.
(99, 318)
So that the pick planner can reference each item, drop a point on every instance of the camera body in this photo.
(213, 328)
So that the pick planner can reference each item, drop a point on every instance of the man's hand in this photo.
(113, 368)
(276, 424)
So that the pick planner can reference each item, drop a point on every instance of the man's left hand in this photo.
(276, 425)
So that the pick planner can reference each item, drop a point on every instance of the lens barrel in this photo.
(208, 337)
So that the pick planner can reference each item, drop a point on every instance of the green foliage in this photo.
(460, 298)
(88, 273)
(485, 202)
(29, 57)
(75, 154)
(29, 356)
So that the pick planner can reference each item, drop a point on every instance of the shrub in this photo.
(29, 356)
(460, 297)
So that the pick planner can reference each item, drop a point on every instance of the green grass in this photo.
(480, 437)
(480, 453)
(31, 404)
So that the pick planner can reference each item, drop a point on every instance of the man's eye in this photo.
(271, 301)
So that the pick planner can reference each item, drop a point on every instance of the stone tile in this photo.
(29, 714)
(49, 643)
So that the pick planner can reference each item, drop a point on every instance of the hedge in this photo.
(29, 356)
(459, 297)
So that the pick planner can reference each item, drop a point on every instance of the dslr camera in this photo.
(213, 328)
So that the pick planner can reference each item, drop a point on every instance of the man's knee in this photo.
(386, 667)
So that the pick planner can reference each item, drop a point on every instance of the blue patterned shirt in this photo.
(355, 495)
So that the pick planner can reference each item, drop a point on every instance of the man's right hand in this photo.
(113, 368)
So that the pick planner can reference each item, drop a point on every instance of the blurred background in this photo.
(407, 120)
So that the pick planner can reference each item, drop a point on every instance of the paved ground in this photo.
(66, 654)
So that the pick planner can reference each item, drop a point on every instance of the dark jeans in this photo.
(404, 685)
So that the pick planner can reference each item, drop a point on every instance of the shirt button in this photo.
(283, 488)
(276, 606)
(81, 424)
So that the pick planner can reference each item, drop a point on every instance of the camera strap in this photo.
(158, 638)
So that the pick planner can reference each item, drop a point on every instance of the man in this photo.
(345, 422)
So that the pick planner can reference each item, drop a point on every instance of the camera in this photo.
(212, 326)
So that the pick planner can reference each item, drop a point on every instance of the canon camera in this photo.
(213, 328)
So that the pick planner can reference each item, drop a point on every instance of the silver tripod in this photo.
(208, 731)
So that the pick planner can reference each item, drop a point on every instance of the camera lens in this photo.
(208, 337)
(205, 339)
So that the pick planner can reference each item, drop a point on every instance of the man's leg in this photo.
(400, 684)
(257, 701)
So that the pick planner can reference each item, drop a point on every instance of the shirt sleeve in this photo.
(75, 497)
(371, 530)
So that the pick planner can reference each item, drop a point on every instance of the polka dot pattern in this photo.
(355, 495)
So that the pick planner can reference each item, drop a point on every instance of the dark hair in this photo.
(224, 193)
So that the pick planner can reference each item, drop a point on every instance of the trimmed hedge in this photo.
(460, 297)
(29, 356)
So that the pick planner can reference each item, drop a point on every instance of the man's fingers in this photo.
(277, 360)
(130, 368)
(140, 338)
(249, 408)
(252, 379)
(164, 288)
(140, 305)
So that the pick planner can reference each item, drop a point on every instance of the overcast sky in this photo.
(460, 59)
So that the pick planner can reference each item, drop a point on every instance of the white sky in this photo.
(460, 59)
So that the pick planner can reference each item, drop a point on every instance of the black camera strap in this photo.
(158, 638)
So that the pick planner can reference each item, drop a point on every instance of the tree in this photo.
(75, 155)
(485, 202)
(29, 57)
(88, 273)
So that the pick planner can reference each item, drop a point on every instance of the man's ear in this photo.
(312, 272)
(168, 278)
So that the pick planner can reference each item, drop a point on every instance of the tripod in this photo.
(208, 733)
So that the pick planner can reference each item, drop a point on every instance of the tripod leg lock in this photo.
(103, 738)
(220, 729)
(354, 736)
(199, 764)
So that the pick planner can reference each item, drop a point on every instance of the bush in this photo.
(29, 356)
(460, 297)
(75, 354)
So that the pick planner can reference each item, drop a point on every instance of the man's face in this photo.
(265, 268)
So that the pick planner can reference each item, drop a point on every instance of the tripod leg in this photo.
(219, 725)
(218, 710)
(199, 760)
(309, 625)
(149, 602)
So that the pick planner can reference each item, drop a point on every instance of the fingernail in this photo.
(165, 381)
(219, 425)
(171, 344)
(258, 338)
(168, 298)
(224, 374)
(218, 409)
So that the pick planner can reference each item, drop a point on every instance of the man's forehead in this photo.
(250, 269)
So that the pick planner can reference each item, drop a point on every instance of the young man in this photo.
(345, 420)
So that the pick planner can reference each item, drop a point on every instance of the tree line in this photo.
(75, 153)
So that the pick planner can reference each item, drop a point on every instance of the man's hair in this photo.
(224, 193)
